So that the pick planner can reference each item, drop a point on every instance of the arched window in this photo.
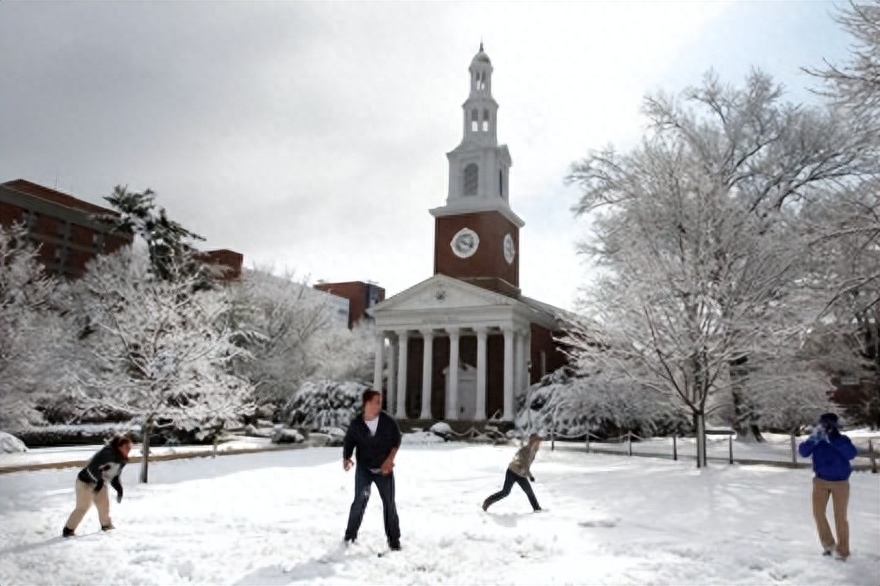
(485, 120)
(471, 179)
(500, 183)
(475, 120)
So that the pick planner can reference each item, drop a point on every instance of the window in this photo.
(475, 121)
(98, 241)
(64, 230)
(485, 120)
(500, 183)
(471, 179)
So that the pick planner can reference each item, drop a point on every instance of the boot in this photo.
(67, 532)
(107, 527)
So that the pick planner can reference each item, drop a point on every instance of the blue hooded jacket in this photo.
(831, 455)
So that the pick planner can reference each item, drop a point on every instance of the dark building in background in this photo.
(229, 260)
(68, 237)
(60, 225)
(361, 296)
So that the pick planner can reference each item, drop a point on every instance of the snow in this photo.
(276, 518)
(9, 444)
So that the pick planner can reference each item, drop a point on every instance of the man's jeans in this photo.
(363, 479)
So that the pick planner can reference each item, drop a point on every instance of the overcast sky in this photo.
(311, 136)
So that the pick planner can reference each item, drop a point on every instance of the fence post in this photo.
(629, 441)
(730, 447)
(588, 441)
(873, 455)
(675, 446)
(793, 450)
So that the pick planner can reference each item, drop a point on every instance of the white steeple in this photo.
(479, 167)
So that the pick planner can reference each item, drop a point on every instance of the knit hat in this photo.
(828, 420)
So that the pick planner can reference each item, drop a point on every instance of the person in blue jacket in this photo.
(831, 452)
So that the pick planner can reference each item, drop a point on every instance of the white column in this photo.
(518, 340)
(402, 337)
(527, 355)
(508, 374)
(480, 413)
(379, 361)
(392, 376)
(427, 365)
(452, 396)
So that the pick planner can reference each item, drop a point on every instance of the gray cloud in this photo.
(312, 135)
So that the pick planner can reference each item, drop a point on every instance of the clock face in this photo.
(509, 249)
(465, 243)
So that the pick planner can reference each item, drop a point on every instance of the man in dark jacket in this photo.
(105, 465)
(375, 438)
(831, 452)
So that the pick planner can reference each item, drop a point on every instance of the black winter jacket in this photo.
(371, 449)
(106, 464)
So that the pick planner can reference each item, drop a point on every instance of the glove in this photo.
(99, 485)
(819, 434)
(532, 478)
(118, 496)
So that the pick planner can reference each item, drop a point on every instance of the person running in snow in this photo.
(375, 437)
(519, 471)
(831, 452)
(105, 466)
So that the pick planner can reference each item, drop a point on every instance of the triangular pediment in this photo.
(440, 293)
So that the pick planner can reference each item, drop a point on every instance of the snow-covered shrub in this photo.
(287, 436)
(9, 444)
(71, 435)
(572, 405)
(324, 403)
(421, 437)
(442, 429)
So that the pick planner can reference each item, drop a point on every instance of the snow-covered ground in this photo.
(276, 518)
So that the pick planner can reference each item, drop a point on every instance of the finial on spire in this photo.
(481, 44)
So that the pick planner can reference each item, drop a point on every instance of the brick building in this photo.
(61, 225)
(68, 236)
(361, 297)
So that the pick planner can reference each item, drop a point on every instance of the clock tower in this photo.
(476, 234)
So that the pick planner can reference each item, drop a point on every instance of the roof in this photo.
(55, 196)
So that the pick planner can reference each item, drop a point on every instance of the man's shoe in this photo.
(349, 541)
(107, 527)
(486, 505)
(394, 545)
(67, 532)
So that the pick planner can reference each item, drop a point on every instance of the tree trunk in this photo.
(700, 429)
(145, 459)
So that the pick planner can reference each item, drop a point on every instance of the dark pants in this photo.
(363, 479)
(509, 478)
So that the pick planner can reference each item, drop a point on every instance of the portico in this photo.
(454, 351)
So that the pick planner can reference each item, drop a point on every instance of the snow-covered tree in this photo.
(33, 334)
(287, 327)
(169, 244)
(696, 236)
(161, 350)
(846, 223)
(856, 82)
(344, 354)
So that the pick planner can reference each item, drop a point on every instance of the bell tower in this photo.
(476, 234)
